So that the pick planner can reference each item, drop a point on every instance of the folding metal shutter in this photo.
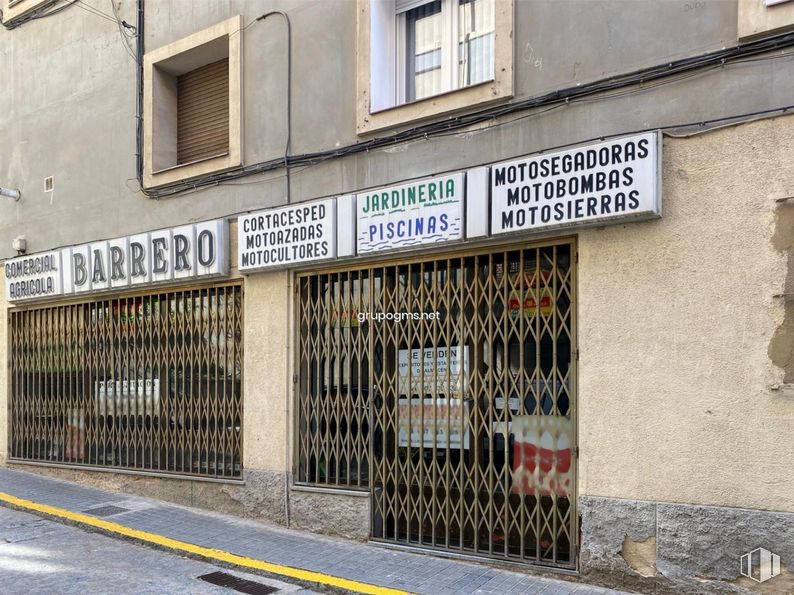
(203, 112)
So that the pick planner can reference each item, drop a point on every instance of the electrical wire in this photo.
(640, 81)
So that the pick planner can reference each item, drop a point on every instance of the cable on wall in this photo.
(666, 73)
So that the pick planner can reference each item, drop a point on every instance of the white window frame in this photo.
(381, 75)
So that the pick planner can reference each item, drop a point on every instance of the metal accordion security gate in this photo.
(150, 383)
(447, 388)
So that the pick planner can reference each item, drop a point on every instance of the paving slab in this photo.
(366, 563)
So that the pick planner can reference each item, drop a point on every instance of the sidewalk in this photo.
(311, 559)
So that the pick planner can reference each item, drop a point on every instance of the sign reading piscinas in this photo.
(162, 256)
(424, 212)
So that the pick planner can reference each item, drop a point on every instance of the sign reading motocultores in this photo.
(162, 256)
(424, 212)
(289, 235)
(617, 179)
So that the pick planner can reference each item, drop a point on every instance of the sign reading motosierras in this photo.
(169, 255)
(612, 180)
(286, 236)
(423, 212)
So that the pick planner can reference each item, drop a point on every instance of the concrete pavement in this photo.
(311, 560)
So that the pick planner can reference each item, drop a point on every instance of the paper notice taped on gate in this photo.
(542, 455)
(433, 422)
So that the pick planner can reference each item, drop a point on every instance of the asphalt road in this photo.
(41, 556)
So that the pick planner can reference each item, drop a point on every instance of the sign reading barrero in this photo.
(169, 255)
(617, 179)
(423, 212)
(287, 236)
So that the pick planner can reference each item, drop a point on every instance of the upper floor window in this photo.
(443, 45)
(413, 51)
(192, 124)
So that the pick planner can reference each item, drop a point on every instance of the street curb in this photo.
(308, 577)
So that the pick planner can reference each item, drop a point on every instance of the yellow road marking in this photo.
(297, 573)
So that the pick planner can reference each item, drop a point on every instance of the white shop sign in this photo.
(287, 236)
(424, 212)
(601, 183)
(163, 256)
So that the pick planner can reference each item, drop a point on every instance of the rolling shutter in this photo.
(203, 112)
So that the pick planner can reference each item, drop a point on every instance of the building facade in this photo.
(501, 279)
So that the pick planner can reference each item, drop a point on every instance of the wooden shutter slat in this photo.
(203, 112)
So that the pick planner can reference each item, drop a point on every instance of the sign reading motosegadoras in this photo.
(613, 180)
(163, 256)
(423, 212)
(286, 236)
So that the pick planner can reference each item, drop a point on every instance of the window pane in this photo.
(423, 51)
(475, 41)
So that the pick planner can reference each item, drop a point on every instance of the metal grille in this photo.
(462, 427)
(150, 383)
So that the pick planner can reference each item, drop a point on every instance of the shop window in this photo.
(419, 50)
(146, 383)
(458, 413)
(192, 105)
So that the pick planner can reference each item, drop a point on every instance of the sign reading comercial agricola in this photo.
(424, 212)
(613, 180)
(163, 256)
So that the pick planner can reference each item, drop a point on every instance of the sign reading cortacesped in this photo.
(423, 212)
(163, 256)
(613, 180)
(287, 236)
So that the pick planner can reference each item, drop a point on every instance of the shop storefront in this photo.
(444, 409)
(435, 345)
(144, 378)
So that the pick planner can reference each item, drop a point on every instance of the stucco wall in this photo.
(68, 104)
(266, 323)
(3, 373)
(676, 388)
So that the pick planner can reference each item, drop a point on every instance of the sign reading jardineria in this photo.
(163, 256)
(422, 212)
(617, 179)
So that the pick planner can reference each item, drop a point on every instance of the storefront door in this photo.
(447, 388)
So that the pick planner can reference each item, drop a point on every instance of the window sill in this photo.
(189, 171)
(13, 9)
(451, 102)
(188, 163)
(431, 97)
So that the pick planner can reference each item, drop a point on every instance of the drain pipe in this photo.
(287, 150)
(139, 51)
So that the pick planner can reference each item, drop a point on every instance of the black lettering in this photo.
(206, 248)
(116, 263)
(159, 261)
(181, 247)
(79, 272)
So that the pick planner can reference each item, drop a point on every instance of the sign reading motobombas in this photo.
(617, 179)
(424, 212)
(162, 256)
(289, 235)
